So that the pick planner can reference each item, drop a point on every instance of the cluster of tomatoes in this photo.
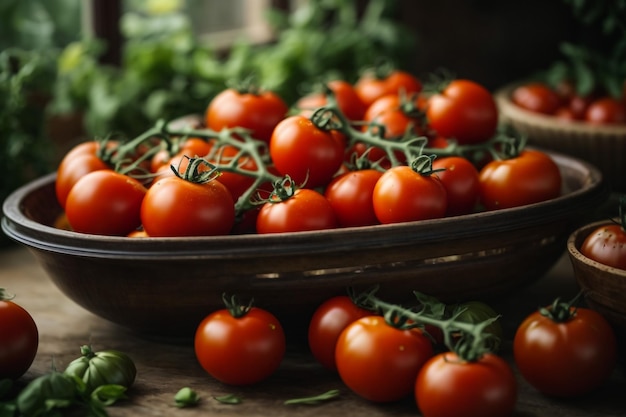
(442, 356)
(566, 104)
(373, 152)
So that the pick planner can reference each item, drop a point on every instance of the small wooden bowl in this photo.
(604, 287)
(163, 287)
(601, 145)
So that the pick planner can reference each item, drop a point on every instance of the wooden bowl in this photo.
(604, 287)
(163, 287)
(601, 145)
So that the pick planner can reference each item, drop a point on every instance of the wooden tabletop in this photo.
(164, 368)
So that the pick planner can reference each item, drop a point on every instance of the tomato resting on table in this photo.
(19, 338)
(240, 345)
(565, 351)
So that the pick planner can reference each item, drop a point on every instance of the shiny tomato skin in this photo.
(305, 210)
(449, 386)
(309, 155)
(465, 111)
(403, 195)
(369, 87)
(350, 196)
(565, 359)
(529, 178)
(327, 323)
(537, 97)
(379, 362)
(177, 207)
(19, 340)
(460, 179)
(348, 100)
(240, 350)
(259, 112)
(606, 110)
(105, 202)
(606, 245)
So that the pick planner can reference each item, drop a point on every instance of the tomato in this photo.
(105, 202)
(450, 386)
(537, 97)
(607, 245)
(565, 351)
(240, 346)
(176, 206)
(606, 110)
(347, 99)
(371, 86)
(237, 183)
(528, 178)
(350, 196)
(403, 194)
(258, 111)
(578, 105)
(78, 162)
(414, 103)
(327, 323)
(19, 338)
(460, 179)
(102, 368)
(378, 361)
(308, 154)
(465, 111)
(304, 210)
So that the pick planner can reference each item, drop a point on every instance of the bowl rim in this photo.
(34, 234)
(509, 110)
(580, 234)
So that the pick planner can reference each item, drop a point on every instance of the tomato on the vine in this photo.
(448, 385)
(460, 179)
(309, 154)
(350, 196)
(105, 202)
(530, 177)
(240, 345)
(194, 204)
(328, 321)
(345, 95)
(408, 193)
(378, 361)
(249, 108)
(565, 351)
(19, 338)
(374, 84)
(465, 111)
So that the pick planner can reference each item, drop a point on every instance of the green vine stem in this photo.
(561, 311)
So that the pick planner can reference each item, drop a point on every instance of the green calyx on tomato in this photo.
(235, 307)
(108, 367)
(560, 311)
(423, 165)
(198, 170)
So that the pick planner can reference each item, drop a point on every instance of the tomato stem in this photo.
(234, 306)
(5, 295)
(561, 311)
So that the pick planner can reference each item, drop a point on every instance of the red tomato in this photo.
(240, 349)
(236, 183)
(174, 206)
(606, 110)
(259, 112)
(460, 179)
(465, 111)
(105, 202)
(450, 386)
(19, 338)
(78, 162)
(607, 245)
(327, 323)
(305, 210)
(308, 154)
(347, 99)
(529, 178)
(372, 86)
(378, 361)
(537, 97)
(403, 195)
(565, 351)
(350, 196)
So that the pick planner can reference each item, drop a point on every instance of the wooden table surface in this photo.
(162, 368)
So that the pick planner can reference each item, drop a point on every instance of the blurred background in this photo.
(76, 69)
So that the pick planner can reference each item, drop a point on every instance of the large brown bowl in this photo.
(604, 287)
(164, 286)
